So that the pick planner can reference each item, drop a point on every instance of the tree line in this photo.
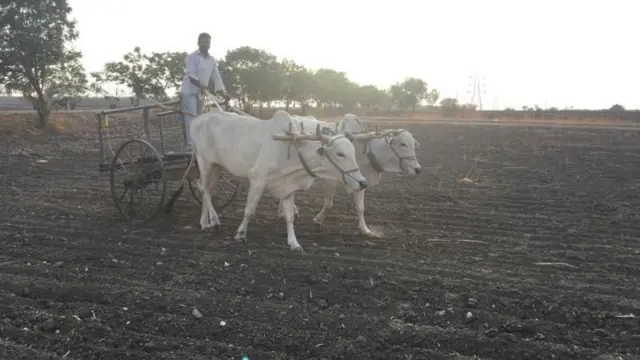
(255, 77)
(39, 62)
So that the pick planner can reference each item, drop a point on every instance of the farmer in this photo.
(201, 69)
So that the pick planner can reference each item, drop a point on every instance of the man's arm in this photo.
(191, 64)
(218, 85)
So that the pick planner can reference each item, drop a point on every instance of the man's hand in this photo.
(194, 81)
(223, 94)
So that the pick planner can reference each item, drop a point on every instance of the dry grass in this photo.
(70, 122)
(419, 118)
(61, 122)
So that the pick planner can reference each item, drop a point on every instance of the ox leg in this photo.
(256, 188)
(288, 204)
(208, 175)
(281, 210)
(329, 192)
(358, 199)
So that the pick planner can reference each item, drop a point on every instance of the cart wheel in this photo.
(138, 181)
(226, 192)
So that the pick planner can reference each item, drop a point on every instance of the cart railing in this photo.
(155, 130)
(173, 132)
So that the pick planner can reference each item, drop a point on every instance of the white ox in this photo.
(394, 152)
(248, 147)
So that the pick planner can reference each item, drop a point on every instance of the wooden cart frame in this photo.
(141, 162)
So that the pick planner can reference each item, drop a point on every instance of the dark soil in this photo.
(457, 275)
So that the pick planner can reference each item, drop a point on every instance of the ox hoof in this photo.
(373, 234)
(210, 226)
(318, 220)
(297, 249)
(240, 237)
(210, 223)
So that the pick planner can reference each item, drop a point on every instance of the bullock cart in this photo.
(144, 157)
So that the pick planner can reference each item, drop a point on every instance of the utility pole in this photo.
(477, 85)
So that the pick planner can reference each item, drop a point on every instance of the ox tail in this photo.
(172, 201)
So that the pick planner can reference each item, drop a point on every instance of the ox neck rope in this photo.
(306, 167)
(374, 160)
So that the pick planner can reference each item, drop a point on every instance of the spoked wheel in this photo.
(225, 193)
(138, 181)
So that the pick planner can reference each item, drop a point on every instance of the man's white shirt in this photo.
(204, 68)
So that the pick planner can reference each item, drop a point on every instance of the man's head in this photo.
(204, 42)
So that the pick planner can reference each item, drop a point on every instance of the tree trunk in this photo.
(42, 106)
(44, 111)
(260, 108)
(287, 103)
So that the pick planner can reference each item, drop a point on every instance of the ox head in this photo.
(350, 124)
(403, 146)
(338, 154)
(396, 152)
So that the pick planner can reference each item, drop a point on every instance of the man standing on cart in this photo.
(200, 70)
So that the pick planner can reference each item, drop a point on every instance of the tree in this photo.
(298, 84)
(617, 108)
(35, 52)
(450, 107)
(399, 97)
(70, 83)
(371, 97)
(96, 84)
(432, 97)
(253, 75)
(415, 91)
(145, 75)
(167, 69)
(270, 86)
(333, 88)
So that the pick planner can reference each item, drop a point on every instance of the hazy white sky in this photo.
(549, 53)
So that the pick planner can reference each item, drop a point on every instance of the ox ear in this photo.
(320, 151)
(416, 143)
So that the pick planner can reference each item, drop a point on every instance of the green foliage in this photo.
(333, 88)
(411, 92)
(298, 84)
(432, 97)
(36, 58)
(167, 69)
(43, 66)
(450, 107)
(254, 75)
(370, 96)
(145, 75)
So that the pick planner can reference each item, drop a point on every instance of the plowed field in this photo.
(535, 255)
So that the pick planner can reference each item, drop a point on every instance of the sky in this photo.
(525, 53)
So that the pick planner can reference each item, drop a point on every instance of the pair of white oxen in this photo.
(279, 156)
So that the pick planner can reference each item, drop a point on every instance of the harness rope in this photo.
(375, 163)
(306, 166)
